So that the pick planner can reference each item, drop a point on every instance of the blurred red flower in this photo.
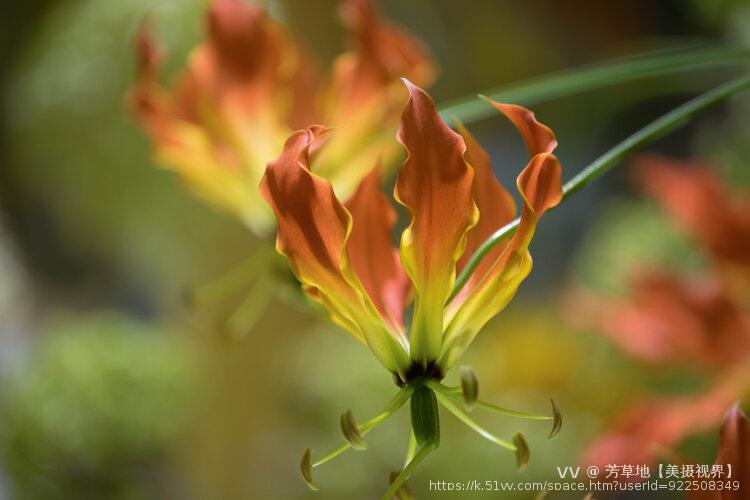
(249, 85)
(701, 321)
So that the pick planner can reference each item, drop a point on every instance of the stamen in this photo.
(398, 400)
(448, 404)
(469, 387)
(350, 431)
(456, 393)
(522, 451)
(306, 469)
(557, 420)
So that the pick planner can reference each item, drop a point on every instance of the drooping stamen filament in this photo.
(401, 397)
(461, 415)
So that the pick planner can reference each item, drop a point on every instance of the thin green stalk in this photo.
(394, 404)
(244, 318)
(406, 473)
(592, 76)
(411, 448)
(463, 417)
(659, 127)
(511, 413)
(455, 393)
(233, 279)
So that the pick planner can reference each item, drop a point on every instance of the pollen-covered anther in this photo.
(305, 466)
(351, 432)
(522, 451)
(556, 420)
(469, 387)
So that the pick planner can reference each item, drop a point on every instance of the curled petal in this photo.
(541, 188)
(538, 137)
(371, 252)
(313, 229)
(434, 184)
(364, 97)
(495, 204)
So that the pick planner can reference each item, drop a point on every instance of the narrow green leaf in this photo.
(305, 466)
(597, 75)
(658, 128)
(557, 420)
(350, 431)
(469, 387)
(522, 451)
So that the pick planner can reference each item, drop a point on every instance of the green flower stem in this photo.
(463, 417)
(397, 402)
(411, 448)
(244, 318)
(455, 393)
(404, 474)
(593, 76)
(235, 278)
(659, 127)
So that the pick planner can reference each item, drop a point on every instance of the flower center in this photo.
(417, 370)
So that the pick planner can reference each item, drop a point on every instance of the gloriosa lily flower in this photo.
(343, 255)
(249, 85)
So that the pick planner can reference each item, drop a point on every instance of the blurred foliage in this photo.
(628, 235)
(89, 206)
(97, 402)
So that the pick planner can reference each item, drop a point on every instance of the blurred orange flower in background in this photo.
(701, 321)
(734, 451)
(249, 85)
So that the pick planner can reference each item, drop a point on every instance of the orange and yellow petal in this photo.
(538, 137)
(313, 232)
(371, 252)
(435, 185)
(496, 209)
(364, 96)
(540, 187)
